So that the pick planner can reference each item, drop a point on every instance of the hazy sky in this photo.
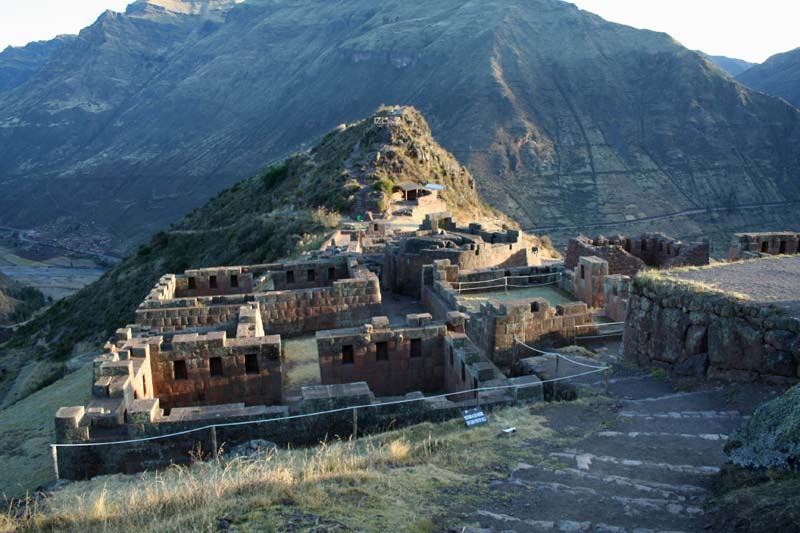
(747, 29)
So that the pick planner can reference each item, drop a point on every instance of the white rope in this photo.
(562, 356)
(482, 281)
(600, 325)
(607, 335)
(319, 413)
(534, 285)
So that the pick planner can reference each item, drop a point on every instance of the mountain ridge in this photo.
(562, 117)
(779, 76)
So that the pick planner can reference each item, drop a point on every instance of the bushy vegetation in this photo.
(18, 303)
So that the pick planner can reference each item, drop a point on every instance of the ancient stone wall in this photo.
(343, 303)
(617, 292)
(530, 320)
(146, 419)
(709, 335)
(751, 245)
(211, 369)
(403, 263)
(392, 360)
(629, 255)
(590, 274)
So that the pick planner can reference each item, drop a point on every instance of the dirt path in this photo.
(643, 463)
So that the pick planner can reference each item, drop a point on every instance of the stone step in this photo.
(546, 501)
(642, 470)
(493, 522)
(620, 485)
(701, 400)
(693, 449)
(684, 422)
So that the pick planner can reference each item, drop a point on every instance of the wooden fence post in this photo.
(214, 446)
(355, 423)
(54, 453)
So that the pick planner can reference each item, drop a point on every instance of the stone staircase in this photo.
(649, 468)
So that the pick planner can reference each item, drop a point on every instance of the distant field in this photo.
(27, 432)
(55, 282)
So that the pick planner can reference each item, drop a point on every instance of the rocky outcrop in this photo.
(771, 437)
(563, 118)
(708, 334)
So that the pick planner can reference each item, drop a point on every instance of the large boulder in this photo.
(771, 438)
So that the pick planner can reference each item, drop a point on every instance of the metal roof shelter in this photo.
(410, 190)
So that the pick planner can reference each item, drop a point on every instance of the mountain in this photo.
(779, 76)
(19, 63)
(281, 211)
(732, 66)
(568, 122)
(17, 303)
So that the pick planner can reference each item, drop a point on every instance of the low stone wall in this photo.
(709, 335)
(147, 420)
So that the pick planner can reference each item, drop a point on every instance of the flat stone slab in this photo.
(769, 280)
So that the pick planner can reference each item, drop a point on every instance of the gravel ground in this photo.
(771, 280)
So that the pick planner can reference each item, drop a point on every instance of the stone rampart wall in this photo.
(709, 335)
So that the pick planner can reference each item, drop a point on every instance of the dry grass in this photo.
(652, 278)
(370, 484)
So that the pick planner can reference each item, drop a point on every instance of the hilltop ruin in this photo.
(392, 315)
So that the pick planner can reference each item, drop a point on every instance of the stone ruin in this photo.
(208, 347)
(754, 245)
(628, 255)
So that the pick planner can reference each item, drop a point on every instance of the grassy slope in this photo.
(27, 431)
(403, 478)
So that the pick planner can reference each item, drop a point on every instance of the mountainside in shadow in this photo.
(282, 211)
(779, 76)
(731, 65)
(17, 303)
(19, 63)
(566, 121)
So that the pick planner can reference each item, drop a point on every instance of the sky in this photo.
(745, 29)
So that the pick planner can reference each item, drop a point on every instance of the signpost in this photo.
(474, 417)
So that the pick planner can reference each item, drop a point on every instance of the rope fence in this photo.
(319, 413)
(465, 286)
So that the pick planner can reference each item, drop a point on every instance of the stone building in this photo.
(470, 248)
(753, 245)
(629, 255)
